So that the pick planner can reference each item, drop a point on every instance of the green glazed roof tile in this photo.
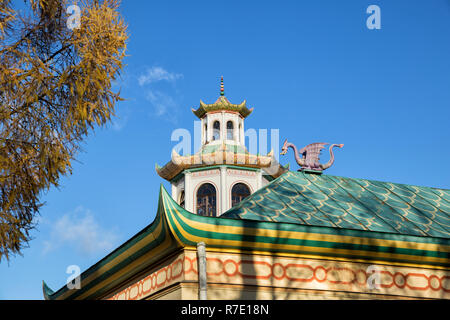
(348, 203)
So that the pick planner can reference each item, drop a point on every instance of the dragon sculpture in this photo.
(308, 157)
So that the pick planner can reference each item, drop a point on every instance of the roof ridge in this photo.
(399, 183)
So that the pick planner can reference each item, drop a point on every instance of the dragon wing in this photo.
(313, 150)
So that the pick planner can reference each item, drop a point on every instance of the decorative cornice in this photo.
(332, 278)
(223, 155)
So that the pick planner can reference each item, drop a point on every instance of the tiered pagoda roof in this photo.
(222, 103)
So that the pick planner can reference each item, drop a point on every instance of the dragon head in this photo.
(284, 149)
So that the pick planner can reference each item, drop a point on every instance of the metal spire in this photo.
(221, 87)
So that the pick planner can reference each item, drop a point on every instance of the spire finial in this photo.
(221, 86)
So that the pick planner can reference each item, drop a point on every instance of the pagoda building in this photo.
(241, 226)
(222, 172)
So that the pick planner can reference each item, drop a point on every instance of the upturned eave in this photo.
(179, 163)
(222, 104)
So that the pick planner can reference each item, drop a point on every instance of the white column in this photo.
(223, 190)
(174, 192)
(203, 132)
(259, 179)
(188, 192)
(223, 128)
(242, 139)
(210, 128)
(201, 267)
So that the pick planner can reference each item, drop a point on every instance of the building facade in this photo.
(271, 233)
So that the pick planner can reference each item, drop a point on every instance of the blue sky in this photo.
(311, 69)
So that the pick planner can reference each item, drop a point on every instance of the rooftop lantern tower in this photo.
(222, 121)
(222, 172)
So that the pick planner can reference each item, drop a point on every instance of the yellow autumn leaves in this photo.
(55, 87)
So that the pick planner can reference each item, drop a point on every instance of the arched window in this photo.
(181, 202)
(206, 133)
(230, 132)
(216, 130)
(206, 200)
(239, 192)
